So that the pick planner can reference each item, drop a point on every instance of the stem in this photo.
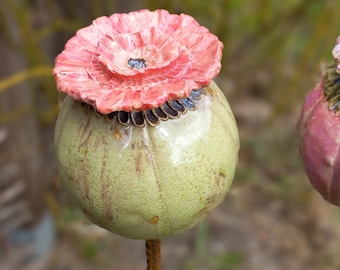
(153, 254)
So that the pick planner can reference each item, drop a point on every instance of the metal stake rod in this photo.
(153, 254)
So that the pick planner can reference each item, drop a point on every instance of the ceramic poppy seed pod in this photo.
(319, 134)
(145, 140)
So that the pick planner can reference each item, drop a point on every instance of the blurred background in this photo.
(271, 219)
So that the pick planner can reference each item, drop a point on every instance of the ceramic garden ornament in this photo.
(319, 132)
(145, 140)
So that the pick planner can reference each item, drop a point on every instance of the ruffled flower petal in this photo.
(137, 61)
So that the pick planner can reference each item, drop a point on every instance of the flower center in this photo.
(332, 88)
(137, 63)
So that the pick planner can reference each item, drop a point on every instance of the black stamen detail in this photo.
(109, 117)
(137, 63)
(123, 117)
(151, 118)
(337, 80)
(187, 103)
(137, 118)
(331, 88)
(196, 93)
(174, 104)
(169, 111)
(174, 108)
(160, 113)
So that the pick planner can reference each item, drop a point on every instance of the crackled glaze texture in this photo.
(148, 182)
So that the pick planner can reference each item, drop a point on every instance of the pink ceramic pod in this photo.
(319, 134)
(145, 140)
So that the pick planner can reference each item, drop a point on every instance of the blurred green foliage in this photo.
(204, 259)
(273, 51)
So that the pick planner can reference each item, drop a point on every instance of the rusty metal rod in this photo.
(153, 254)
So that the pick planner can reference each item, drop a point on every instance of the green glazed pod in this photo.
(148, 182)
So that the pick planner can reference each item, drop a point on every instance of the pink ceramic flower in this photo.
(319, 134)
(137, 61)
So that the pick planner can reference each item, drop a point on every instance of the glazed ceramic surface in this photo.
(148, 182)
